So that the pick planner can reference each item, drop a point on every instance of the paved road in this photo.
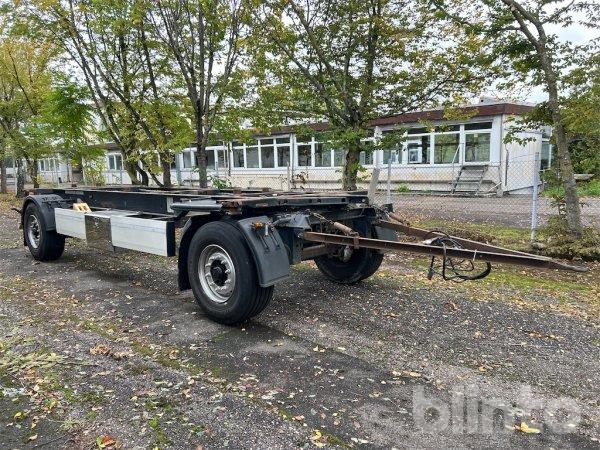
(388, 363)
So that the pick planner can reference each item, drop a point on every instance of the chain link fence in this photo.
(513, 194)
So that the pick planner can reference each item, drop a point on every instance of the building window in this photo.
(188, 159)
(546, 155)
(252, 161)
(238, 154)
(267, 153)
(47, 165)
(322, 155)
(477, 147)
(365, 158)
(283, 151)
(339, 157)
(392, 152)
(446, 148)
(417, 149)
(221, 157)
(304, 155)
(478, 126)
(115, 161)
(210, 159)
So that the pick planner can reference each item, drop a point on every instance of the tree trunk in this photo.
(155, 179)
(3, 186)
(166, 169)
(32, 170)
(567, 176)
(132, 171)
(143, 175)
(201, 163)
(350, 171)
(20, 174)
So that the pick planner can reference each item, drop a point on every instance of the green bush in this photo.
(585, 189)
(559, 243)
(402, 188)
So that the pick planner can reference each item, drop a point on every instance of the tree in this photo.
(205, 39)
(581, 114)
(522, 32)
(349, 61)
(25, 81)
(69, 116)
(128, 80)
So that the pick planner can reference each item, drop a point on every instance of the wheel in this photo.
(351, 265)
(43, 244)
(223, 275)
(361, 264)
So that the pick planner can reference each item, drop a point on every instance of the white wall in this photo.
(518, 158)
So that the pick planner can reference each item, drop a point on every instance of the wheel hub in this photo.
(217, 273)
(33, 231)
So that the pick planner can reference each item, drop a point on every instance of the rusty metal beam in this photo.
(525, 259)
(427, 234)
(314, 251)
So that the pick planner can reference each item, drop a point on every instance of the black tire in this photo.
(43, 244)
(362, 264)
(246, 298)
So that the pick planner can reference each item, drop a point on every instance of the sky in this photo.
(576, 34)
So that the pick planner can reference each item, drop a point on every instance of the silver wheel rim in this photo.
(217, 273)
(33, 231)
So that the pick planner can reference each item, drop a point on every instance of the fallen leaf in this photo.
(524, 428)
(100, 349)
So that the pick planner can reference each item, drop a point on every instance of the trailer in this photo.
(235, 245)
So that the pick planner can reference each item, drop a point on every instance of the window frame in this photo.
(113, 156)
(243, 146)
(464, 149)
(487, 126)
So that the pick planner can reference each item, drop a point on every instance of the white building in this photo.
(468, 155)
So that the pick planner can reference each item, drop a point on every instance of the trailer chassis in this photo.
(235, 245)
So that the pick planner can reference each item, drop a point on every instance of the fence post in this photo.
(15, 174)
(178, 169)
(388, 198)
(534, 198)
(373, 185)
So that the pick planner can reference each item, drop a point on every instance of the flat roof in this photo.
(484, 109)
(473, 111)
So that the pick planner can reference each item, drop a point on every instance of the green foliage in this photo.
(69, 117)
(402, 187)
(582, 114)
(560, 243)
(93, 170)
(346, 63)
(219, 182)
(25, 81)
(556, 191)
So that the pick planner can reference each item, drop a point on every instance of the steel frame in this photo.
(318, 210)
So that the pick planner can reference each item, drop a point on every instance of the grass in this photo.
(569, 292)
(587, 189)
(491, 233)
